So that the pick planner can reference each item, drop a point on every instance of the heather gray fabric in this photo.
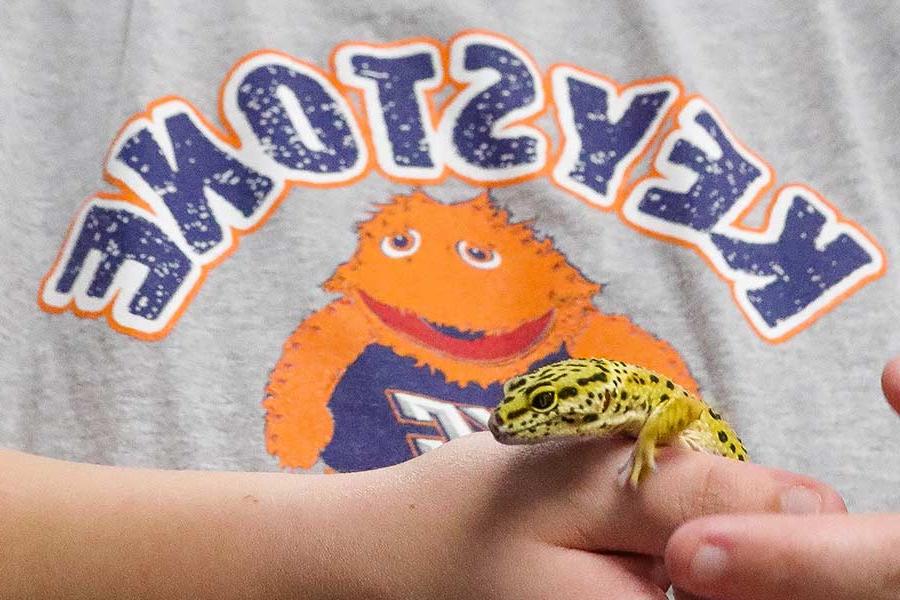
(810, 87)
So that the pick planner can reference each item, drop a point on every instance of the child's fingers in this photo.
(649, 568)
(890, 383)
(781, 557)
(597, 514)
(566, 574)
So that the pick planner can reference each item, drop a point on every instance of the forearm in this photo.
(75, 530)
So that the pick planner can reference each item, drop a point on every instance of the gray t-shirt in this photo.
(320, 235)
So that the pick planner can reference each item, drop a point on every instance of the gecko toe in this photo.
(626, 471)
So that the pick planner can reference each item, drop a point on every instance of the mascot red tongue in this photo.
(482, 347)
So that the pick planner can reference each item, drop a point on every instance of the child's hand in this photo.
(472, 519)
(839, 557)
(475, 519)
(774, 557)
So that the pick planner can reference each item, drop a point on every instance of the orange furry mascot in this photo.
(422, 269)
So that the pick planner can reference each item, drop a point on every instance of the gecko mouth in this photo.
(502, 435)
(466, 344)
(518, 437)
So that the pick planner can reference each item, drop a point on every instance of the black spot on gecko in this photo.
(530, 390)
(550, 376)
(715, 415)
(590, 418)
(624, 395)
(723, 437)
(663, 397)
(582, 381)
(517, 384)
(670, 385)
(654, 379)
(733, 448)
(567, 392)
(741, 457)
(516, 413)
(508, 399)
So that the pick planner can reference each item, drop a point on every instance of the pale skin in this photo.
(472, 519)
(777, 557)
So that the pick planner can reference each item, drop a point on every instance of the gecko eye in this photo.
(543, 401)
(401, 244)
(478, 257)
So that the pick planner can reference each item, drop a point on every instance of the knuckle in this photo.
(713, 492)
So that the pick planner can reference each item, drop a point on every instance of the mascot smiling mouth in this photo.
(470, 345)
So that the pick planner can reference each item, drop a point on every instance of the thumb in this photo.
(782, 557)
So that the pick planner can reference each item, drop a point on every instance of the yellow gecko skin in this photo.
(600, 397)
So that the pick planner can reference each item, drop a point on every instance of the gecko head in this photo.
(546, 403)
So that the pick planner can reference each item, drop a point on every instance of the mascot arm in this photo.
(313, 359)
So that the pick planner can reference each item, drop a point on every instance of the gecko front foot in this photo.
(640, 463)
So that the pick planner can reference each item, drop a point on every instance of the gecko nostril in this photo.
(494, 423)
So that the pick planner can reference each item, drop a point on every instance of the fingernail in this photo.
(800, 500)
(709, 563)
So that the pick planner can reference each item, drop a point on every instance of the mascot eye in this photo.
(401, 244)
(543, 401)
(478, 257)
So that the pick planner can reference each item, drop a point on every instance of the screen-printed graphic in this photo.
(188, 191)
(439, 304)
